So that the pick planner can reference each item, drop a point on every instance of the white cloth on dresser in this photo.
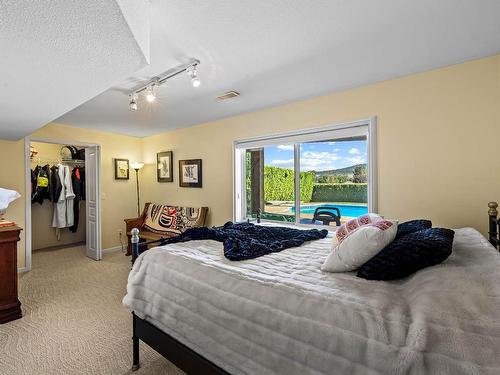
(63, 209)
(6, 197)
(279, 314)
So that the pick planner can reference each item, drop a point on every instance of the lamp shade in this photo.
(136, 165)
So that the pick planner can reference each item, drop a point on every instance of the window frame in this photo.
(365, 127)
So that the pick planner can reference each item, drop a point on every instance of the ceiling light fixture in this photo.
(150, 89)
(133, 102)
(151, 93)
(193, 73)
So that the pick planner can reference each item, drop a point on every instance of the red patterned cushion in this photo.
(354, 224)
(161, 218)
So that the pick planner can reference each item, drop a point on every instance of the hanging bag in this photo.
(71, 152)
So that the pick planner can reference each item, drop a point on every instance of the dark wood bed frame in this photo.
(176, 352)
(494, 224)
(187, 359)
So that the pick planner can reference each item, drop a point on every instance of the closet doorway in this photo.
(62, 196)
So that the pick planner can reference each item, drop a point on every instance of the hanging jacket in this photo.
(42, 184)
(77, 189)
(55, 184)
(70, 196)
(63, 209)
(47, 172)
(82, 178)
(76, 181)
(59, 217)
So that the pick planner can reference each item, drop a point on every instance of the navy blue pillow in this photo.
(408, 254)
(412, 226)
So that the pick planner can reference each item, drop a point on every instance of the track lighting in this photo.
(133, 102)
(195, 81)
(151, 93)
(149, 90)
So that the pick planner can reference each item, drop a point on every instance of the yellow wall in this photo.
(43, 235)
(12, 177)
(438, 136)
(118, 196)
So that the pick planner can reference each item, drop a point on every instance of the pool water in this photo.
(345, 209)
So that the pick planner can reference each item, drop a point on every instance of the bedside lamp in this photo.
(136, 166)
(6, 198)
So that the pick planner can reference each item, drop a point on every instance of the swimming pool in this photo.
(345, 209)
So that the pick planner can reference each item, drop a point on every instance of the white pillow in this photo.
(360, 246)
(353, 225)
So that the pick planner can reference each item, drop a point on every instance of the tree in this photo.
(333, 179)
(360, 175)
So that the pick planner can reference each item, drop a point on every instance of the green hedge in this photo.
(340, 193)
(279, 184)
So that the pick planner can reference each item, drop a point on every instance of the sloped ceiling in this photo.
(56, 55)
(277, 51)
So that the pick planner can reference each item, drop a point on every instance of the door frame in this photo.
(27, 191)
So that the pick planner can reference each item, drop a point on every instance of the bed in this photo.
(279, 314)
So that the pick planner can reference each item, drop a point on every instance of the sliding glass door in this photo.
(320, 176)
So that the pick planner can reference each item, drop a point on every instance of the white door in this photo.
(92, 202)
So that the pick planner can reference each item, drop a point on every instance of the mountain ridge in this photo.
(341, 171)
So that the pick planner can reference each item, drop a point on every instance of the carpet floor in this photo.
(73, 319)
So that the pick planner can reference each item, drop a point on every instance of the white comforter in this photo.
(279, 314)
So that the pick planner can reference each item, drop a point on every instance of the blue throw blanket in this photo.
(247, 241)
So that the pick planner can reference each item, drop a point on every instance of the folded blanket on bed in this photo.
(247, 241)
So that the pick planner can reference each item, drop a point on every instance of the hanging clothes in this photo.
(55, 184)
(40, 180)
(82, 182)
(78, 189)
(63, 209)
(70, 196)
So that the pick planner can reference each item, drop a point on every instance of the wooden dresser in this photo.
(10, 307)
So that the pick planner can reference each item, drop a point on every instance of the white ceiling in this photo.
(56, 55)
(277, 51)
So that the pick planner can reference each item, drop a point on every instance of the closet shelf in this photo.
(43, 161)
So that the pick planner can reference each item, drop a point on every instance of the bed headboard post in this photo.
(493, 223)
(134, 240)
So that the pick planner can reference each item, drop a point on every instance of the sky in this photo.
(318, 156)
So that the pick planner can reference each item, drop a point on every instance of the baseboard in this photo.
(112, 250)
(104, 251)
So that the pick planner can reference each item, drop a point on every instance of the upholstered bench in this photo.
(164, 221)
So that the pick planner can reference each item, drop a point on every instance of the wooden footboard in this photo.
(176, 352)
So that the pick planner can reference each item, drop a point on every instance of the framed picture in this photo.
(164, 169)
(121, 169)
(190, 174)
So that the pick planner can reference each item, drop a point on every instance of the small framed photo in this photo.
(190, 173)
(121, 169)
(164, 169)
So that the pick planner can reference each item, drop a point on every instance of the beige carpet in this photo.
(73, 319)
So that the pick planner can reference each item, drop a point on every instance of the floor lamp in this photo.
(136, 167)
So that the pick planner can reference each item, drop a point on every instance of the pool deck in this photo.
(283, 208)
